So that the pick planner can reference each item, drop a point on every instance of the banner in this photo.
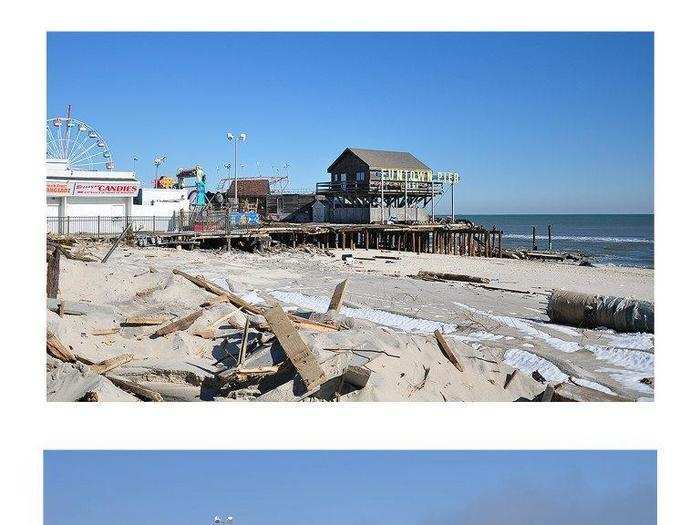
(91, 189)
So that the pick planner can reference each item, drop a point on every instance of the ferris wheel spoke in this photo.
(74, 143)
(80, 147)
(96, 154)
(83, 153)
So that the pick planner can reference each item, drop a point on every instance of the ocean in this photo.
(620, 240)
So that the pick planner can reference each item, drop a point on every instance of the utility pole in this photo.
(405, 196)
(452, 198)
(381, 185)
(432, 199)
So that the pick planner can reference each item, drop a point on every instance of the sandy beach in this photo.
(389, 318)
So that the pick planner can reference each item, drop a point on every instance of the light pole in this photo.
(158, 161)
(135, 158)
(228, 520)
(241, 137)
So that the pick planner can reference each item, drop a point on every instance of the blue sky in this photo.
(534, 122)
(350, 488)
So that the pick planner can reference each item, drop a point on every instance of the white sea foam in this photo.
(583, 238)
(528, 362)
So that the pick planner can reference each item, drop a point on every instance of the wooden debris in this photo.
(337, 299)
(548, 394)
(53, 272)
(90, 396)
(147, 291)
(147, 320)
(217, 300)
(136, 389)
(570, 391)
(242, 375)
(116, 243)
(66, 307)
(211, 287)
(105, 331)
(445, 347)
(303, 322)
(57, 349)
(509, 378)
(210, 331)
(110, 364)
(357, 376)
(181, 323)
(294, 346)
(244, 345)
(423, 274)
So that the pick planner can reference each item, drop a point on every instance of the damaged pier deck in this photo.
(447, 239)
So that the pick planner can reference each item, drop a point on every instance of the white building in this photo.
(75, 193)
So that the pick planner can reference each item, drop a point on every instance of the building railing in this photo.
(375, 186)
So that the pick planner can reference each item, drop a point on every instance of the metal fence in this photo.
(197, 221)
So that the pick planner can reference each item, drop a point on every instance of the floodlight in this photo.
(229, 136)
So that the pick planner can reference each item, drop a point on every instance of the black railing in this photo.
(390, 186)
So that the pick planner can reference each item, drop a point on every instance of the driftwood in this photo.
(423, 274)
(57, 349)
(244, 345)
(445, 347)
(116, 243)
(110, 364)
(105, 331)
(295, 348)
(181, 323)
(136, 389)
(146, 320)
(67, 308)
(211, 287)
(53, 272)
(337, 299)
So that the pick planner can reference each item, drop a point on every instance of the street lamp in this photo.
(241, 137)
(135, 158)
(228, 520)
(158, 161)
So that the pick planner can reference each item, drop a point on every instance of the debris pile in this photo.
(172, 335)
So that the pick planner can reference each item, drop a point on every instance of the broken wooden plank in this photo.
(357, 376)
(570, 391)
(57, 349)
(296, 349)
(136, 389)
(217, 300)
(110, 364)
(423, 274)
(53, 273)
(509, 378)
(548, 394)
(116, 243)
(181, 323)
(337, 299)
(211, 287)
(303, 322)
(244, 345)
(68, 308)
(147, 320)
(445, 347)
(105, 331)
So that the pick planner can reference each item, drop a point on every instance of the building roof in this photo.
(383, 159)
(251, 187)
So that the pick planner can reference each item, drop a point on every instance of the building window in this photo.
(360, 176)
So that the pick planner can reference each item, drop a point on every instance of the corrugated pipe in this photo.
(590, 311)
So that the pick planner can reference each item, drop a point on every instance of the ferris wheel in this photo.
(77, 142)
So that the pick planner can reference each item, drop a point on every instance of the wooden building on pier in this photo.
(373, 186)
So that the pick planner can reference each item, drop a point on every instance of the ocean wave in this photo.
(581, 238)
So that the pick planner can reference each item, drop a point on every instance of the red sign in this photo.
(107, 189)
(58, 189)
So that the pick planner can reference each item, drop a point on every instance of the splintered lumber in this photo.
(146, 320)
(116, 243)
(303, 322)
(181, 323)
(337, 299)
(445, 347)
(241, 375)
(296, 349)
(67, 308)
(244, 344)
(356, 376)
(57, 349)
(110, 364)
(570, 391)
(136, 389)
(423, 274)
(53, 272)
(105, 331)
(211, 287)
(217, 300)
